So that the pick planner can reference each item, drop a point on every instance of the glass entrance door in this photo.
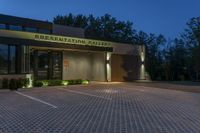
(56, 65)
(43, 65)
(46, 64)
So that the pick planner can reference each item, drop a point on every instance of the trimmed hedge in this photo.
(55, 82)
(40, 83)
(14, 84)
(37, 84)
(5, 84)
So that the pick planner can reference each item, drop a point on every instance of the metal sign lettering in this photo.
(54, 38)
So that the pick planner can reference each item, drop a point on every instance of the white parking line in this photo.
(36, 99)
(139, 90)
(83, 93)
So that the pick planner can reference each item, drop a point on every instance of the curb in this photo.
(5, 90)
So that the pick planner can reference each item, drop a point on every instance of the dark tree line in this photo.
(104, 28)
(176, 59)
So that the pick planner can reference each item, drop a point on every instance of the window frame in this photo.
(2, 25)
(8, 59)
(31, 29)
(19, 26)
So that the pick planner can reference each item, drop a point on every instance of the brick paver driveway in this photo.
(99, 108)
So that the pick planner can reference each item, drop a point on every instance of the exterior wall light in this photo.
(142, 67)
(107, 61)
(142, 56)
(108, 67)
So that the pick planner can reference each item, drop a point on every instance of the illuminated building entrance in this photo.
(46, 64)
(44, 50)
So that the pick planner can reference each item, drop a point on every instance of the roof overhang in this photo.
(46, 40)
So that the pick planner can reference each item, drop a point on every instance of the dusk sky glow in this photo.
(167, 17)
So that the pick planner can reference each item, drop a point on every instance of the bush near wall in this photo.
(14, 84)
(5, 84)
(40, 83)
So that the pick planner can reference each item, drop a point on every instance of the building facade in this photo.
(49, 51)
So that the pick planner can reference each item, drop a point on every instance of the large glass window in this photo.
(46, 31)
(7, 59)
(30, 29)
(43, 65)
(12, 59)
(14, 27)
(3, 59)
(25, 58)
(56, 65)
(2, 26)
(32, 60)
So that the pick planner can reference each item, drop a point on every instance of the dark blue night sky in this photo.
(167, 17)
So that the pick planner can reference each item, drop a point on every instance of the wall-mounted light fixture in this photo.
(142, 68)
(107, 61)
(142, 62)
(108, 67)
(142, 56)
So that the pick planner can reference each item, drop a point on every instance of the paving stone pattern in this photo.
(100, 108)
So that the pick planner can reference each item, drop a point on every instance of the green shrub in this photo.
(13, 84)
(70, 82)
(73, 82)
(23, 83)
(5, 83)
(40, 83)
(45, 82)
(48, 82)
(1, 83)
(26, 82)
(55, 82)
(78, 81)
(37, 84)
(85, 82)
(20, 83)
(65, 82)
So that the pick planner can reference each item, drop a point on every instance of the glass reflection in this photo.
(12, 59)
(3, 59)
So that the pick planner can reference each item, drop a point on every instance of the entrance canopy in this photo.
(49, 40)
